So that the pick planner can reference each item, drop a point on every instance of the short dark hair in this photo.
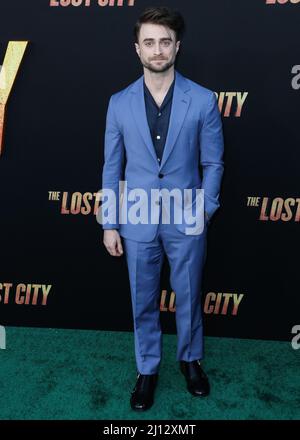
(161, 15)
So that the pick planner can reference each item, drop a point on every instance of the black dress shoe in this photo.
(197, 380)
(142, 395)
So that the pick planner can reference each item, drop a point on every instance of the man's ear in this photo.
(137, 48)
(177, 46)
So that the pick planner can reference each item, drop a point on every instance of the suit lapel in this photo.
(180, 105)
(138, 108)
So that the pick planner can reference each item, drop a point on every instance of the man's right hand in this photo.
(112, 242)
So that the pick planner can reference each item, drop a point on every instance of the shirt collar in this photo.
(167, 97)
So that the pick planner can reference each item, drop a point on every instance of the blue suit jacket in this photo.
(194, 141)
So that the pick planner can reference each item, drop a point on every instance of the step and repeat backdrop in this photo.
(61, 60)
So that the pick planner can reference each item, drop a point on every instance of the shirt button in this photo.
(158, 159)
(158, 137)
(159, 114)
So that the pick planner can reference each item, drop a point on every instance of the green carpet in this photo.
(54, 374)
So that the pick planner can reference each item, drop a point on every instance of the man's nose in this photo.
(157, 49)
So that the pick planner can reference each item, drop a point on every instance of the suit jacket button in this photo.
(160, 175)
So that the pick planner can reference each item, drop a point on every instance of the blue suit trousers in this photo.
(186, 255)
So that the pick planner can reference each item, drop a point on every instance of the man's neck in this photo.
(159, 82)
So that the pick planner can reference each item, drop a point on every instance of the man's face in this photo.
(157, 48)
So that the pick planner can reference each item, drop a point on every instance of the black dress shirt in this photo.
(158, 118)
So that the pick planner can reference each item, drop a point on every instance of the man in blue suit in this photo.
(163, 131)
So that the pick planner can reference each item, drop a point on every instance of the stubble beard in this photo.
(159, 69)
